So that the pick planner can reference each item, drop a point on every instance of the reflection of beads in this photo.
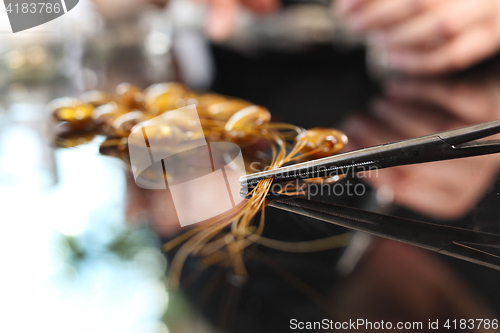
(73, 139)
(326, 141)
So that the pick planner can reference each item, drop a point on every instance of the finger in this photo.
(381, 14)
(413, 120)
(221, 18)
(442, 22)
(471, 101)
(464, 50)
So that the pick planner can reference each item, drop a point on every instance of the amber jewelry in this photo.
(220, 240)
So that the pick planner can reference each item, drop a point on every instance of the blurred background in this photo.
(80, 243)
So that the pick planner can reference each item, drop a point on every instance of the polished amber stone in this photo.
(204, 101)
(105, 115)
(131, 96)
(224, 110)
(245, 120)
(97, 98)
(163, 97)
(326, 141)
(72, 111)
(122, 126)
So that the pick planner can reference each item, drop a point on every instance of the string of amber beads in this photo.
(222, 118)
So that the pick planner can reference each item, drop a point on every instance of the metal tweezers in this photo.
(469, 245)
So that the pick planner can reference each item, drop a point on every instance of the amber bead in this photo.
(160, 135)
(63, 102)
(163, 97)
(131, 96)
(123, 125)
(184, 121)
(224, 110)
(105, 115)
(204, 101)
(327, 141)
(97, 98)
(245, 120)
(72, 111)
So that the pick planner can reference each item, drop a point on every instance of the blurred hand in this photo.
(221, 17)
(428, 36)
(446, 189)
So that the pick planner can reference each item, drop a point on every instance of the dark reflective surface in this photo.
(453, 193)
